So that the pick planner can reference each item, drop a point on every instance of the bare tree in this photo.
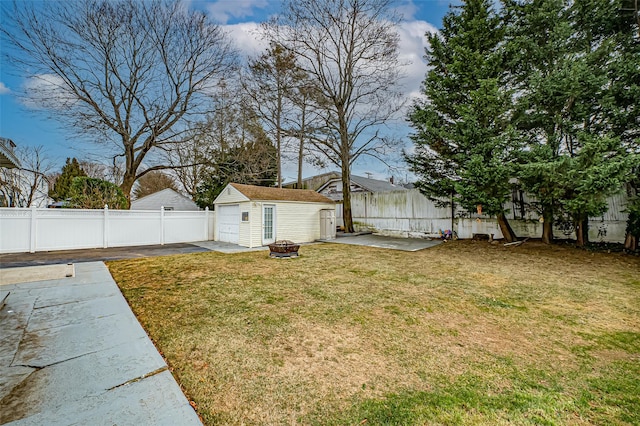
(28, 185)
(230, 146)
(153, 182)
(305, 120)
(129, 72)
(191, 158)
(272, 79)
(95, 170)
(349, 49)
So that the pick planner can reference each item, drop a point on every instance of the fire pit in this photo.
(284, 248)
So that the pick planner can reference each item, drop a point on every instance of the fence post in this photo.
(206, 224)
(161, 225)
(105, 228)
(32, 236)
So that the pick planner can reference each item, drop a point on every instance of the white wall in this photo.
(31, 230)
(411, 214)
(295, 221)
(298, 222)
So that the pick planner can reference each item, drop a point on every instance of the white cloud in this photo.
(407, 10)
(246, 37)
(46, 91)
(223, 10)
(4, 89)
(411, 46)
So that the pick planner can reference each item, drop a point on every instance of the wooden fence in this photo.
(411, 214)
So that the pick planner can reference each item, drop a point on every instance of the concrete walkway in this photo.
(72, 352)
(379, 241)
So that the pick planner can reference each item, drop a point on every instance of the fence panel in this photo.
(15, 230)
(58, 229)
(184, 226)
(24, 230)
(134, 228)
(411, 214)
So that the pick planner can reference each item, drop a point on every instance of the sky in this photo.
(29, 126)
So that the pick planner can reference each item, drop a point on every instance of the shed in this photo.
(167, 198)
(254, 216)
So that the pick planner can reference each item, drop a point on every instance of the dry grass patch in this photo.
(464, 333)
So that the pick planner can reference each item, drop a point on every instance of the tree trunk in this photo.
(346, 197)
(582, 232)
(547, 225)
(301, 147)
(127, 183)
(579, 234)
(279, 154)
(300, 160)
(505, 228)
(631, 242)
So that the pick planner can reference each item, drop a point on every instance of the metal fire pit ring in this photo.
(284, 248)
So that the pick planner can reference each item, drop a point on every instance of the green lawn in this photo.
(463, 333)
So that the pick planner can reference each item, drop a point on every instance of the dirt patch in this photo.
(30, 274)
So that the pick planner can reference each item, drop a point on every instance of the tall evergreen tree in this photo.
(62, 187)
(463, 141)
(562, 53)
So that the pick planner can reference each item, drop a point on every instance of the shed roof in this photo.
(264, 193)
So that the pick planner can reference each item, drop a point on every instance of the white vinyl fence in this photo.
(411, 214)
(32, 229)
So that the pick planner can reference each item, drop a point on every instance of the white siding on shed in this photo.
(299, 222)
(297, 213)
(230, 195)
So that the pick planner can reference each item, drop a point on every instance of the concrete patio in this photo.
(72, 352)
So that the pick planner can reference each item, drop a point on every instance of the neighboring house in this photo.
(313, 182)
(19, 187)
(167, 198)
(8, 158)
(330, 185)
(254, 216)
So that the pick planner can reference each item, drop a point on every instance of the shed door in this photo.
(228, 218)
(327, 224)
(268, 224)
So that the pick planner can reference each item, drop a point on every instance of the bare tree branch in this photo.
(128, 71)
(349, 49)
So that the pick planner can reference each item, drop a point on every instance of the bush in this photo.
(92, 193)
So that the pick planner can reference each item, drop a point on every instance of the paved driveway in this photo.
(72, 352)
(12, 260)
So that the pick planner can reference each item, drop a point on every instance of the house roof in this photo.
(264, 193)
(370, 185)
(375, 185)
(8, 158)
(167, 198)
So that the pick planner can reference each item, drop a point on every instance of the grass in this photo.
(463, 333)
